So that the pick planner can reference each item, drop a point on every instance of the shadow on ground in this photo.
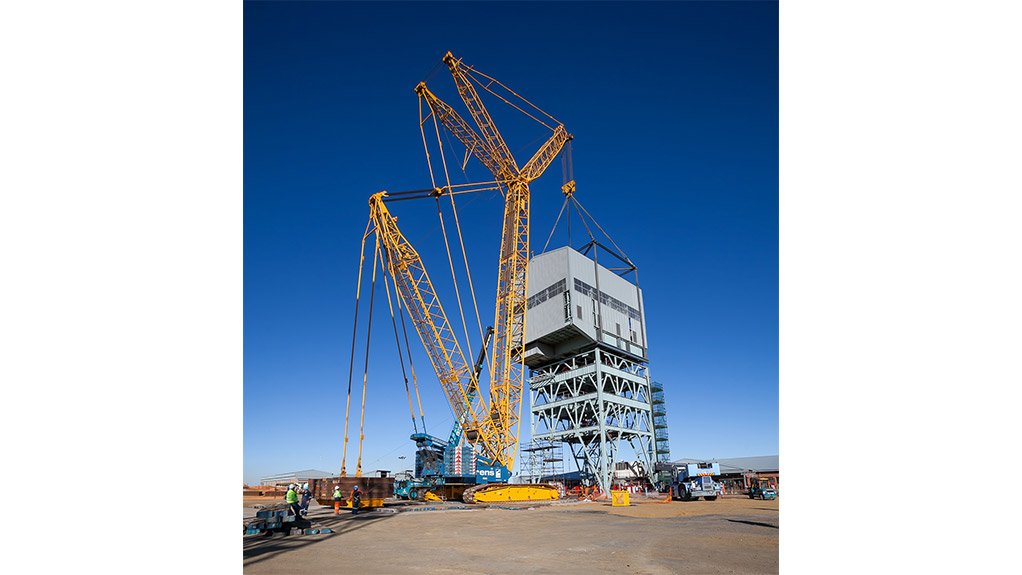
(260, 548)
(761, 524)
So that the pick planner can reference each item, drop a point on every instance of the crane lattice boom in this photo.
(495, 424)
(456, 375)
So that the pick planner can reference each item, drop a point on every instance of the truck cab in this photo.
(695, 480)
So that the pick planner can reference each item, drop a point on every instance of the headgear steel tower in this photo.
(586, 348)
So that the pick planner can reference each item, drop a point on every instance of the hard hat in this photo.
(337, 486)
(291, 486)
(305, 486)
(356, 488)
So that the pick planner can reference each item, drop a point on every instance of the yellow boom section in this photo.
(430, 321)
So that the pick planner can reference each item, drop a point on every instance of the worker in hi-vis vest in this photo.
(337, 499)
(291, 498)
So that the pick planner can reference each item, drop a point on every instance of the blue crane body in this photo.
(431, 469)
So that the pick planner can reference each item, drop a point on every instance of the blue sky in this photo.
(674, 111)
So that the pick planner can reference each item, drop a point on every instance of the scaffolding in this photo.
(544, 461)
(663, 445)
(595, 402)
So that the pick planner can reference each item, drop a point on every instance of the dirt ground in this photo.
(731, 535)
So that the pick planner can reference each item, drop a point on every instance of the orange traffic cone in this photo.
(337, 507)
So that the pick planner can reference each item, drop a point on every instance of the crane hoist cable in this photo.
(461, 242)
(556, 221)
(354, 336)
(597, 224)
(564, 163)
(425, 147)
(450, 261)
(433, 71)
(470, 71)
(468, 272)
(411, 365)
(569, 158)
(429, 164)
(583, 220)
(571, 201)
(454, 190)
(454, 279)
(400, 355)
(509, 103)
(473, 70)
(567, 184)
(464, 163)
(377, 255)
(457, 292)
(540, 138)
(454, 208)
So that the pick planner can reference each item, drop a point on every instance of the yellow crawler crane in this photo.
(493, 425)
(507, 370)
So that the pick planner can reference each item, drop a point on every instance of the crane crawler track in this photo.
(511, 492)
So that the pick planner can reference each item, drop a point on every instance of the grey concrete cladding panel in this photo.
(546, 320)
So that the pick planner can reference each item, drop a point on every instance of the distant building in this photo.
(294, 477)
(739, 473)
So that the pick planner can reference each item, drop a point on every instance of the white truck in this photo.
(694, 480)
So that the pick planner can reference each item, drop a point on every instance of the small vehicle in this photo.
(412, 489)
(762, 491)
